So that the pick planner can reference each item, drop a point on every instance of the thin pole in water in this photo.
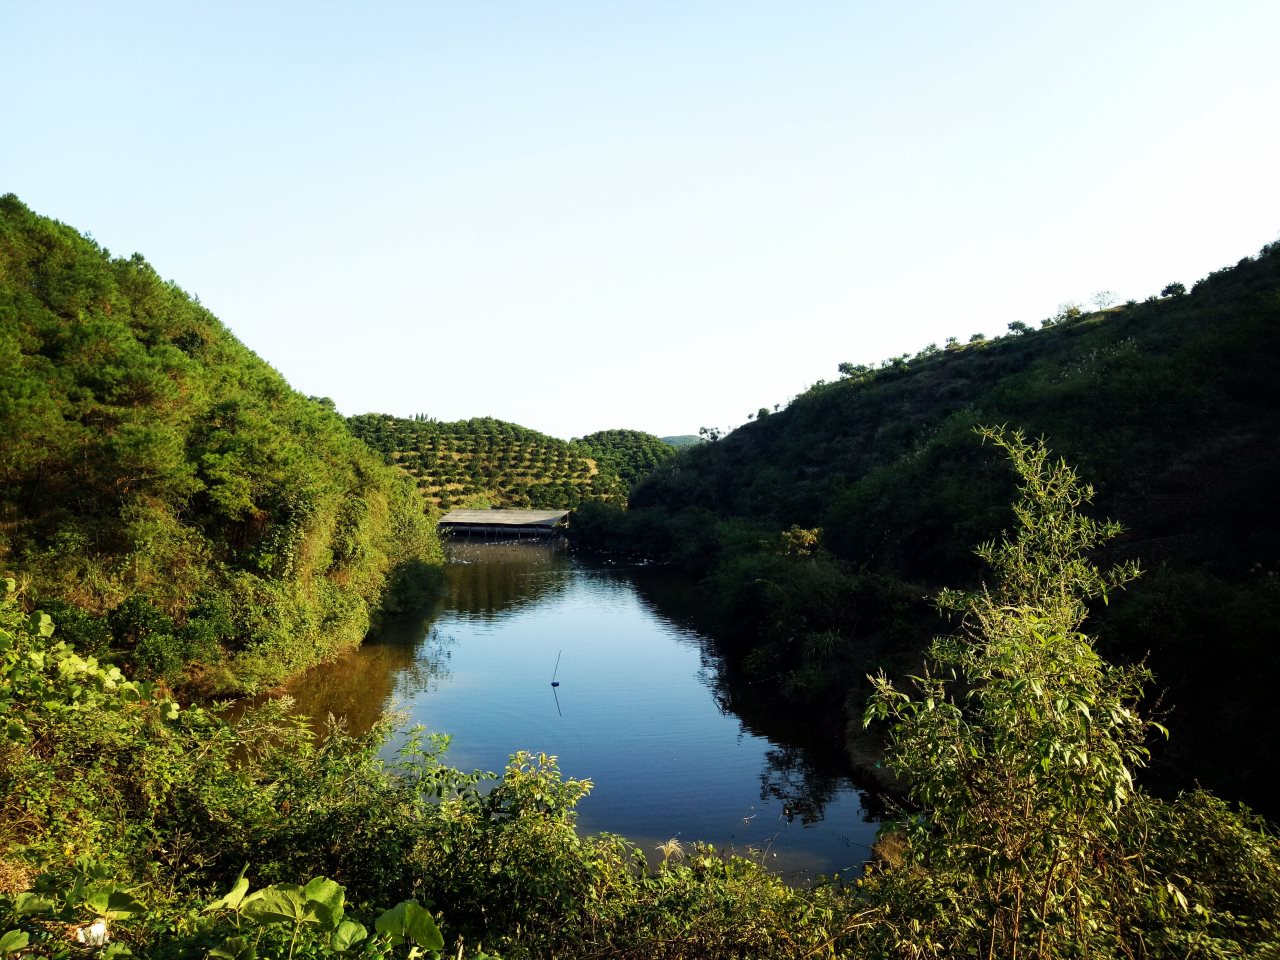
(554, 681)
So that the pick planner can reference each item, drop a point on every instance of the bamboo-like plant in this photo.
(1020, 743)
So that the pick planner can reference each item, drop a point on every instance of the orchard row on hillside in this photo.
(485, 462)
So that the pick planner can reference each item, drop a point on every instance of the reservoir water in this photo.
(642, 708)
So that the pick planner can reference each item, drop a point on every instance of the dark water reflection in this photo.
(490, 580)
(674, 745)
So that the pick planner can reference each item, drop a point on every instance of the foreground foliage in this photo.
(119, 808)
(128, 823)
(1027, 835)
(172, 500)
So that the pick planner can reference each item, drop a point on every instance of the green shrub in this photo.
(1026, 834)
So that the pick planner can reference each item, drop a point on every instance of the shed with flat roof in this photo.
(504, 523)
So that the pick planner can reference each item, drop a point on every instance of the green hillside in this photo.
(683, 440)
(1168, 406)
(168, 502)
(172, 500)
(631, 454)
(485, 462)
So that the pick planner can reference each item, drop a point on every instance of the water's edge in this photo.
(642, 706)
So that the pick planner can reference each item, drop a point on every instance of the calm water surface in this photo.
(641, 708)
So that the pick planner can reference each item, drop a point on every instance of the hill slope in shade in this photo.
(169, 495)
(1168, 406)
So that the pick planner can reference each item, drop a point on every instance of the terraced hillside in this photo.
(484, 462)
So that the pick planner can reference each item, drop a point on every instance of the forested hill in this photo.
(683, 440)
(170, 497)
(632, 454)
(483, 462)
(1169, 407)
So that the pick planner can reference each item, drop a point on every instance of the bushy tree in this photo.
(1020, 743)
(1020, 747)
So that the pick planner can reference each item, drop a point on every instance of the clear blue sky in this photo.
(651, 215)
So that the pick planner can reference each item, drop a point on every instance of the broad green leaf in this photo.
(112, 904)
(279, 903)
(232, 900)
(323, 915)
(408, 920)
(328, 894)
(12, 942)
(26, 904)
(237, 948)
(348, 934)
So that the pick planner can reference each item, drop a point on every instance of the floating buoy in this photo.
(556, 684)
(554, 681)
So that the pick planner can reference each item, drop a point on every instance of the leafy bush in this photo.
(1027, 835)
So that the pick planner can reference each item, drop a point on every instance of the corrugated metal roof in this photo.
(506, 518)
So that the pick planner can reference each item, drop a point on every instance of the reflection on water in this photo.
(806, 765)
(409, 654)
(645, 708)
(407, 657)
(488, 580)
